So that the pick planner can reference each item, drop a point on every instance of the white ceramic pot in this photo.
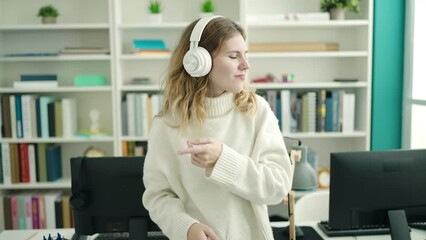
(337, 14)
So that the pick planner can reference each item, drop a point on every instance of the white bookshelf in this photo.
(116, 23)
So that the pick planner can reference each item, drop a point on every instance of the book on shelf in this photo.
(53, 162)
(293, 47)
(7, 207)
(1, 167)
(332, 111)
(12, 115)
(38, 77)
(24, 163)
(6, 163)
(69, 117)
(84, 50)
(14, 163)
(321, 110)
(32, 54)
(18, 112)
(44, 114)
(309, 112)
(149, 44)
(150, 47)
(41, 162)
(40, 84)
(6, 120)
(35, 212)
(152, 52)
(32, 160)
(348, 112)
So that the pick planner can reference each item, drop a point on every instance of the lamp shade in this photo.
(304, 177)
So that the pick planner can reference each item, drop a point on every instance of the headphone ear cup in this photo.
(197, 62)
(79, 202)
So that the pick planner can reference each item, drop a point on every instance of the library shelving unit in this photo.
(316, 70)
(114, 24)
(21, 32)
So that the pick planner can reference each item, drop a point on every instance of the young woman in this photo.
(216, 155)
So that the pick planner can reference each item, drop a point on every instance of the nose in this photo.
(244, 65)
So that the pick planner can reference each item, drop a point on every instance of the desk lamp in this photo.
(304, 177)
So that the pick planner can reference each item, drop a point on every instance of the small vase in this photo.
(337, 14)
(155, 18)
(48, 20)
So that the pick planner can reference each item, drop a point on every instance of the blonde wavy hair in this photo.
(184, 95)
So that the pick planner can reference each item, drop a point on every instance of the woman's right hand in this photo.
(199, 231)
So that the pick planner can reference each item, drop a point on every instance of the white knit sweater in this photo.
(253, 170)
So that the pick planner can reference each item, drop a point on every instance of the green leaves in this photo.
(347, 5)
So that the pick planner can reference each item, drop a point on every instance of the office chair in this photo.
(312, 207)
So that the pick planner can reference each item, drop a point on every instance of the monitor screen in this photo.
(365, 185)
(107, 196)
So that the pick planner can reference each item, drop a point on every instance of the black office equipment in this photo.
(398, 225)
(107, 198)
(365, 185)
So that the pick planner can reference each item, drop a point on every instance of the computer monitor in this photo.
(107, 196)
(365, 185)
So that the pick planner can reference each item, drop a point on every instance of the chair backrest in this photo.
(312, 207)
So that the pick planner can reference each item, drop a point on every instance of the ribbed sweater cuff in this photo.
(227, 166)
(182, 224)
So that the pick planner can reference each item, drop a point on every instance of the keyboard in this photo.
(154, 235)
(365, 230)
(418, 225)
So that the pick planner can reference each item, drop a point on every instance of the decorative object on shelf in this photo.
(155, 15)
(48, 14)
(94, 120)
(207, 8)
(337, 8)
(89, 80)
(304, 178)
(324, 177)
(94, 129)
(93, 151)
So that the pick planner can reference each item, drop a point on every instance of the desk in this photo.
(416, 234)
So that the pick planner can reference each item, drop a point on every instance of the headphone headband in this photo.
(199, 28)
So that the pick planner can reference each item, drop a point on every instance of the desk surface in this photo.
(38, 234)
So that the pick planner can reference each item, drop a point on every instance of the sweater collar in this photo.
(217, 106)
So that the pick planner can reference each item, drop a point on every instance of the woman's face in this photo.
(230, 65)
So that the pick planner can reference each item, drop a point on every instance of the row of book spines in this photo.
(312, 111)
(36, 210)
(138, 110)
(28, 116)
(30, 163)
(134, 148)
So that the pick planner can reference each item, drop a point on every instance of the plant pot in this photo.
(337, 14)
(206, 14)
(48, 20)
(155, 18)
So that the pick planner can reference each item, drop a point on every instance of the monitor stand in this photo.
(76, 236)
(398, 225)
(138, 228)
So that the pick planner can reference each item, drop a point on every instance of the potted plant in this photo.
(155, 9)
(337, 8)
(207, 8)
(48, 14)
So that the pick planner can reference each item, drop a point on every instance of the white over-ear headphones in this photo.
(197, 61)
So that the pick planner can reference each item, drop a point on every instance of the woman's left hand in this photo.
(204, 151)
